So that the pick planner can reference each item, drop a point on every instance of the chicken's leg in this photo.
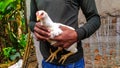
(53, 54)
(64, 57)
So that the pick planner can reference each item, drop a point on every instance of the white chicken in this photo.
(43, 17)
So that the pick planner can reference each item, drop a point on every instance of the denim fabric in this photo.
(78, 64)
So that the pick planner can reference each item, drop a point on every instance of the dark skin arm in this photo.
(67, 38)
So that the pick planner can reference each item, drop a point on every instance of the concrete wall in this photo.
(104, 7)
(107, 5)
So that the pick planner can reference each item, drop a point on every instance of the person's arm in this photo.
(68, 37)
(93, 19)
(33, 9)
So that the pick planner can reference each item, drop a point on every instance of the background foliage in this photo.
(13, 36)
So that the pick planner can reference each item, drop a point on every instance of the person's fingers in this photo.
(66, 45)
(62, 44)
(63, 27)
(42, 32)
(40, 37)
(42, 27)
(58, 44)
(57, 38)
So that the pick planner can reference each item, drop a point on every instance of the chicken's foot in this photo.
(53, 54)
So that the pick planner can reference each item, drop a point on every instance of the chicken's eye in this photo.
(42, 14)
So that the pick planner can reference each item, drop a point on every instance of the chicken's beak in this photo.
(39, 18)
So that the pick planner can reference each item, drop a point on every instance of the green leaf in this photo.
(4, 4)
(23, 40)
(6, 51)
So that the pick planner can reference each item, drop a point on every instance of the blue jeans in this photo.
(78, 64)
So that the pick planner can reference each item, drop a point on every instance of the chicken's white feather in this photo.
(55, 29)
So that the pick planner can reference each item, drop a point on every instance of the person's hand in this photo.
(67, 38)
(41, 32)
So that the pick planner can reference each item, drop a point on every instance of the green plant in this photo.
(6, 51)
(13, 36)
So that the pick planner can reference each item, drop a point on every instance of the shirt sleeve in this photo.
(33, 9)
(93, 19)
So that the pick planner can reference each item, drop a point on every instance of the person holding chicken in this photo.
(64, 12)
